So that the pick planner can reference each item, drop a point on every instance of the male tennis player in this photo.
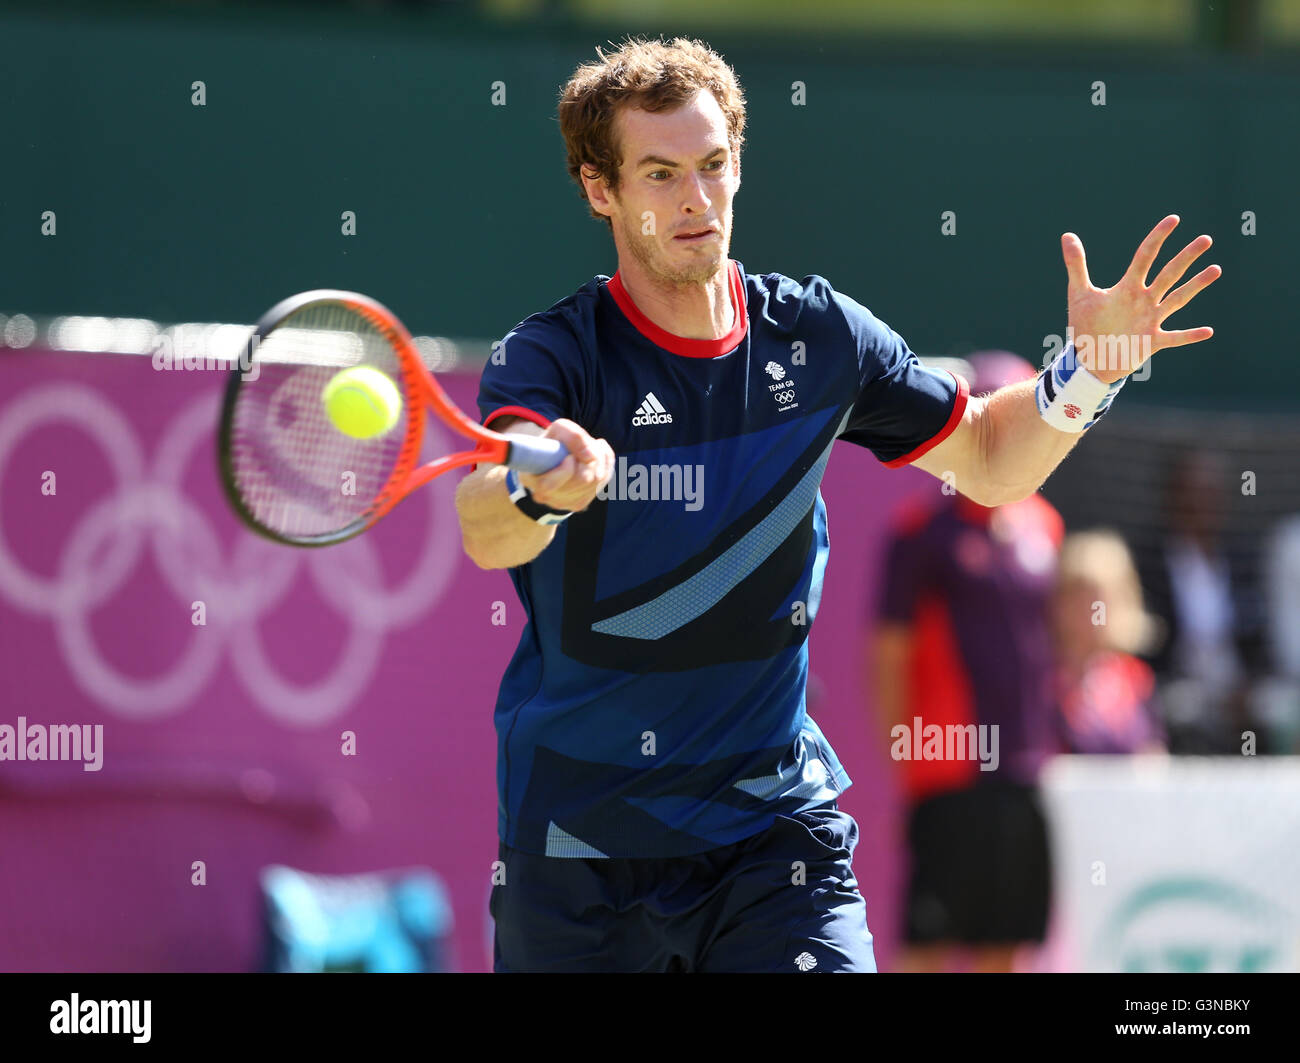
(665, 802)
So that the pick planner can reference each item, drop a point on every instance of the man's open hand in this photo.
(1117, 329)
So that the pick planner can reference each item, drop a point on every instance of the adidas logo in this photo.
(651, 411)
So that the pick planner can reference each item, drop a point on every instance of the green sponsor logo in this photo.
(1191, 924)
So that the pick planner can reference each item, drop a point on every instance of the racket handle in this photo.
(532, 454)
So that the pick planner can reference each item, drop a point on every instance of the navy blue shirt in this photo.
(655, 704)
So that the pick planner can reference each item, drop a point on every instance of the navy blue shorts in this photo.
(782, 900)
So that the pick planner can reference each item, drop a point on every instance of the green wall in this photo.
(467, 221)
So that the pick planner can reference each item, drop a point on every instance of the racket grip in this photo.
(535, 455)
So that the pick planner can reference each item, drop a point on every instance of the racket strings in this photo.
(295, 472)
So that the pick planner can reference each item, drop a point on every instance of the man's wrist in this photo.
(1069, 397)
(535, 511)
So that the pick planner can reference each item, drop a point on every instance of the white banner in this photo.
(1176, 863)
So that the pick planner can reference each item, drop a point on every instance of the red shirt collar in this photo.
(687, 348)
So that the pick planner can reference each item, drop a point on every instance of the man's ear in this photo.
(735, 168)
(597, 192)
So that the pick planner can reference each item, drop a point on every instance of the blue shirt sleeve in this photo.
(903, 408)
(534, 372)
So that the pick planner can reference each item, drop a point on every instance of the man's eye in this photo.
(717, 164)
(656, 174)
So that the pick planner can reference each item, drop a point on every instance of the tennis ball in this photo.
(363, 402)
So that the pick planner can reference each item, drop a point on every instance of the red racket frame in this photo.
(420, 391)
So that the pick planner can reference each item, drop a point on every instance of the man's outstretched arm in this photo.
(1004, 449)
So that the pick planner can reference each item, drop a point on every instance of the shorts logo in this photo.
(805, 961)
(651, 411)
(776, 372)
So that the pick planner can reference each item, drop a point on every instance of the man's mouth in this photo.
(696, 235)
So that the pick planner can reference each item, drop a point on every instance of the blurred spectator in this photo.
(1106, 694)
(1200, 596)
(963, 638)
(1282, 580)
(1275, 703)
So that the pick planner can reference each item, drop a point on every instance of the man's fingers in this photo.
(573, 437)
(605, 461)
(1076, 263)
(1182, 337)
(1181, 296)
(601, 467)
(552, 480)
(1178, 265)
(1147, 251)
(573, 483)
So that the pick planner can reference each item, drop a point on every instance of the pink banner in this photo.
(225, 673)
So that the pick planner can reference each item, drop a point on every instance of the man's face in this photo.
(678, 178)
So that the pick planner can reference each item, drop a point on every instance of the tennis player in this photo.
(666, 804)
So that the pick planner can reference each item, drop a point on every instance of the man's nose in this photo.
(697, 200)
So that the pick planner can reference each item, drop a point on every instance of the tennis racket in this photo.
(289, 473)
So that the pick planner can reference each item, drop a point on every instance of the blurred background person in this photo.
(962, 637)
(1202, 598)
(1282, 581)
(1107, 695)
(1275, 702)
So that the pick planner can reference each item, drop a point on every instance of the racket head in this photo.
(289, 474)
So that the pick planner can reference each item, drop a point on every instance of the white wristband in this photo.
(1069, 397)
(529, 506)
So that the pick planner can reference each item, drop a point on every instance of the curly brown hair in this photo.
(653, 75)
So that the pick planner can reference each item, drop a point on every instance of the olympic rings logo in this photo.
(149, 508)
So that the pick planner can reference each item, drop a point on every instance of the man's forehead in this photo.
(697, 126)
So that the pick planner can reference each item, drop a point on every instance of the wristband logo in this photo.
(1072, 411)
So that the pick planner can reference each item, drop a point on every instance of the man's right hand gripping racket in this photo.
(293, 476)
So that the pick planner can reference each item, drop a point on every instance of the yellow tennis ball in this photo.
(363, 402)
